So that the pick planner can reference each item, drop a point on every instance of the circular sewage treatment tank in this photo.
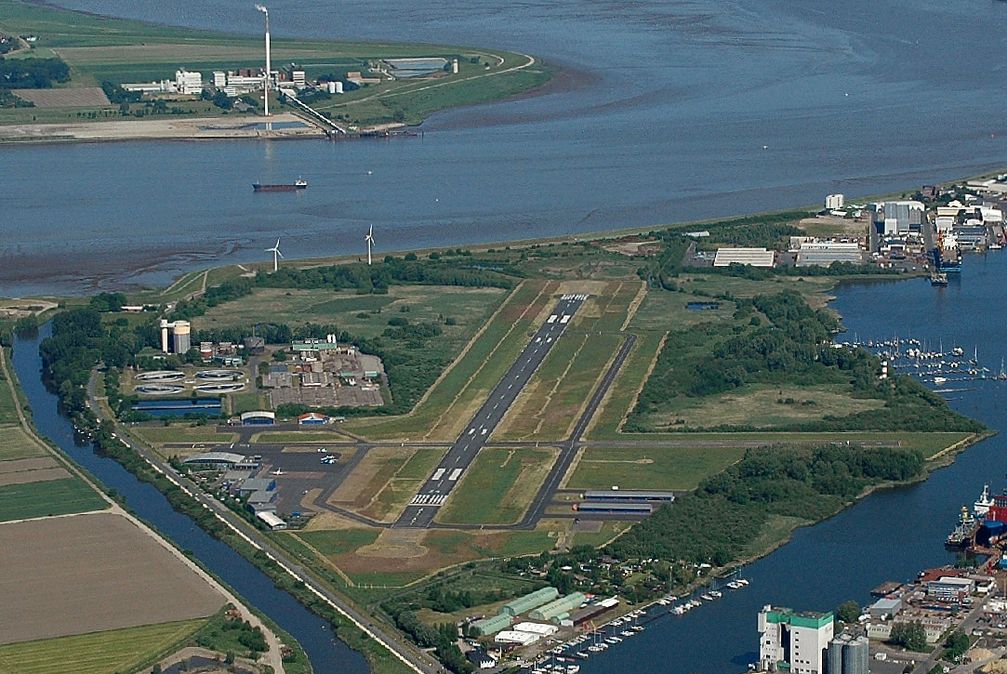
(160, 376)
(217, 375)
(158, 389)
(219, 388)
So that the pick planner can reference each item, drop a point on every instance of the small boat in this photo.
(939, 279)
(940, 380)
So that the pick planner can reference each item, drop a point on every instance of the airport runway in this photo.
(434, 492)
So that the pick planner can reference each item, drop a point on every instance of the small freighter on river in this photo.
(298, 184)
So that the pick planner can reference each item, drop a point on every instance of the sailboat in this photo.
(1002, 376)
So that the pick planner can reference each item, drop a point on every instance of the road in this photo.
(431, 496)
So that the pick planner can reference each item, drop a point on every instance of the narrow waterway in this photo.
(890, 535)
(326, 653)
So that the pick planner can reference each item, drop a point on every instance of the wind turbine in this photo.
(269, 69)
(275, 250)
(370, 242)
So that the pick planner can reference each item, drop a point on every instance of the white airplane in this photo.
(278, 472)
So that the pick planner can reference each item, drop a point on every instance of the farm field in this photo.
(96, 653)
(452, 400)
(498, 487)
(88, 580)
(44, 499)
(650, 468)
(15, 443)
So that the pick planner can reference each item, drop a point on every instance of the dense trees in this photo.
(32, 73)
(848, 611)
(911, 636)
(716, 523)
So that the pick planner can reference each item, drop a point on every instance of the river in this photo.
(325, 653)
(668, 111)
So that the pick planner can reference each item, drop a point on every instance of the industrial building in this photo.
(558, 609)
(824, 253)
(529, 601)
(896, 218)
(794, 641)
(848, 655)
(834, 202)
(753, 257)
(628, 495)
(175, 336)
(188, 83)
(493, 624)
(950, 588)
(614, 508)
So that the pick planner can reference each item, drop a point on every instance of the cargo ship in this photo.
(947, 255)
(298, 184)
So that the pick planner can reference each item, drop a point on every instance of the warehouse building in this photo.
(516, 638)
(541, 629)
(824, 253)
(492, 625)
(753, 257)
(558, 609)
(529, 601)
(628, 495)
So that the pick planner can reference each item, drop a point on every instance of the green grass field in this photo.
(42, 499)
(498, 487)
(760, 406)
(678, 468)
(157, 435)
(97, 653)
(331, 542)
(550, 405)
(622, 394)
(460, 391)
(361, 315)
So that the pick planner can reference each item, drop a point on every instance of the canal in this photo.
(326, 653)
